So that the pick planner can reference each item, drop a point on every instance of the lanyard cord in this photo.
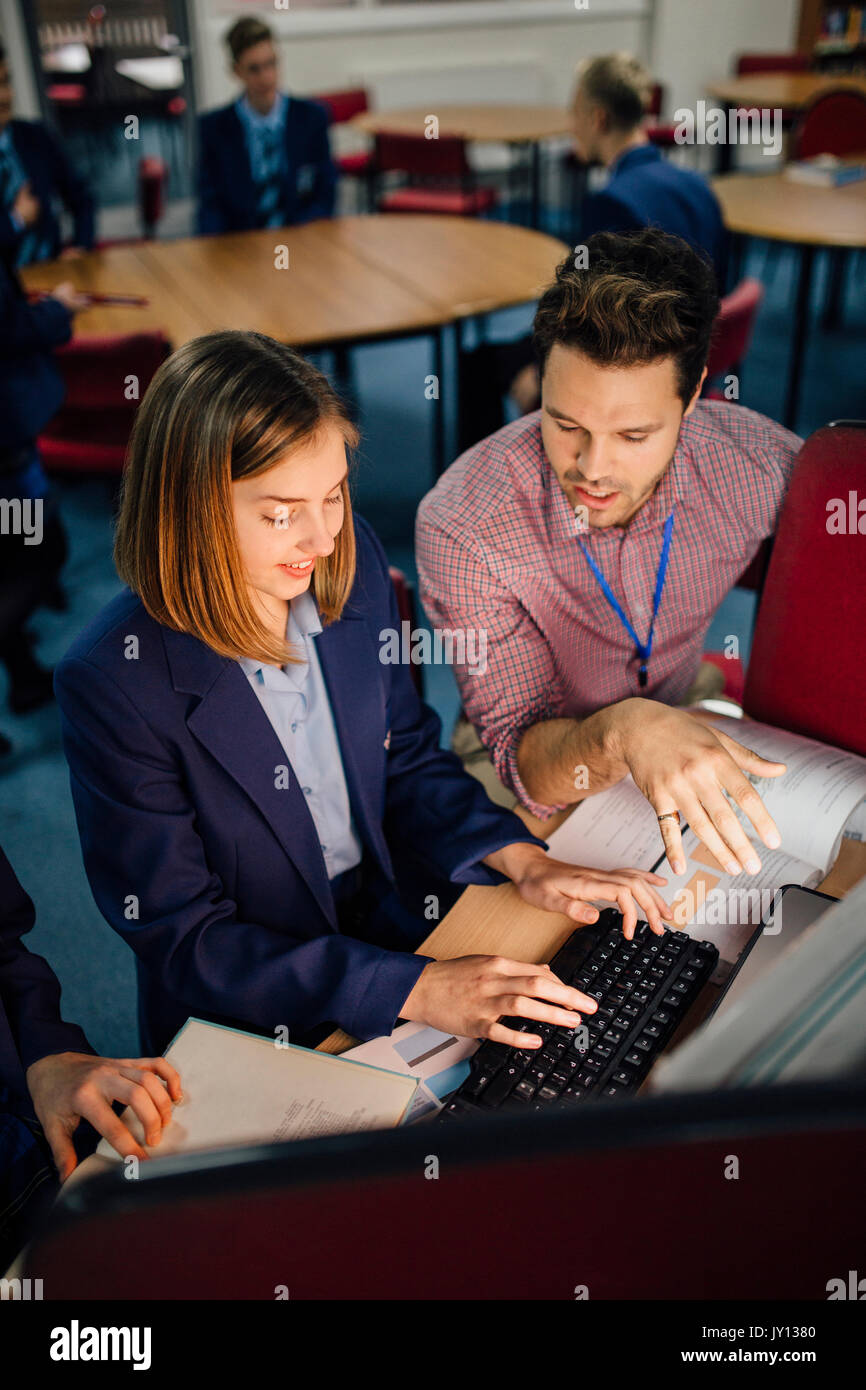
(644, 650)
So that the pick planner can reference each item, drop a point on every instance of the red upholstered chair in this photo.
(90, 432)
(733, 328)
(806, 666)
(152, 179)
(342, 107)
(834, 123)
(405, 595)
(659, 132)
(440, 177)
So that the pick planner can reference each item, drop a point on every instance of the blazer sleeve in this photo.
(324, 190)
(25, 327)
(29, 989)
(149, 875)
(210, 214)
(433, 806)
(75, 193)
(604, 212)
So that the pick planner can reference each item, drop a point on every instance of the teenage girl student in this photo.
(248, 775)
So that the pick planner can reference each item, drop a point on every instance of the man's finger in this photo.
(112, 1128)
(749, 801)
(748, 759)
(62, 1147)
(673, 843)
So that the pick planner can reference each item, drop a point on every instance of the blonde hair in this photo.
(619, 84)
(225, 406)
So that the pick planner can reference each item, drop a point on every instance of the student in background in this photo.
(251, 775)
(51, 1081)
(35, 174)
(264, 160)
(643, 189)
(595, 539)
(33, 549)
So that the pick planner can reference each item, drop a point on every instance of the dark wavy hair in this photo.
(643, 296)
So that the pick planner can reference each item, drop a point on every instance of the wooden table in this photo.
(806, 216)
(484, 123)
(786, 91)
(349, 280)
(497, 921)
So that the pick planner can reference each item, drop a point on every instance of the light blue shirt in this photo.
(16, 175)
(255, 127)
(295, 699)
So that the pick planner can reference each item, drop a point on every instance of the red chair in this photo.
(342, 107)
(152, 179)
(441, 179)
(90, 432)
(405, 594)
(806, 666)
(733, 329)
(659, 132)
(834, 123)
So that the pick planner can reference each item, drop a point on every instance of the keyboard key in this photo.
(672, 1001)
(476, 1082)
(613, 1037)
(652, 1031)
(525, 1090)
(547, 1093)
(661, 1017)
(643, 1044)
(635, 1059)
(602, 1052)
(500, 1087)
(624, 1078)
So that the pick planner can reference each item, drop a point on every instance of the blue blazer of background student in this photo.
(179, 727)
(228, 195)
(645, 190)
(38, 157)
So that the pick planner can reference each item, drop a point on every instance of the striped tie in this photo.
(269, 185)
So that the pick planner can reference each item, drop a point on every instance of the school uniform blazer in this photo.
(227, 199)
(31, 386)
(645, 189)
(30, 1023)
(210, 867)
(52, 176)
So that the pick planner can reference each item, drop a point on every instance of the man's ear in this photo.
(694, 400)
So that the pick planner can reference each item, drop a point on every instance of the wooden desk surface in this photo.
(497, 921)
(348, 279)
(789, 90)
(483, 121)
(769, 205)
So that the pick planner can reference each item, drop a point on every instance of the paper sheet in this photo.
(439, 1062)
(615, 829)
(243, 1089)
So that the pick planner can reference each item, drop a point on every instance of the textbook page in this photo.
(813, 800)
(239, 1088)
(712, 905)
(615, 829)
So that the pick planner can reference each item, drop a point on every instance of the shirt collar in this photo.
(271, 120)
(303, 623)
(638, 154)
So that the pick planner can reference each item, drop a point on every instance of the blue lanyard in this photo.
(644, 651)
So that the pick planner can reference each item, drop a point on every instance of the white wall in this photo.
(550, 37)
(695, 41)
(26, 102)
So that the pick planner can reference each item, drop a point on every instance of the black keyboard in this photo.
(644, 988)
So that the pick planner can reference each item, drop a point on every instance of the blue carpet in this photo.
(395, 469)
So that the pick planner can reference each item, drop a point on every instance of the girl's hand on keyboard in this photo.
(477, 997)
(570, 888)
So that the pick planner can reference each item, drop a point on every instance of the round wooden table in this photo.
(785, 91)
(506, 123)
(349, 280)
(809, 218)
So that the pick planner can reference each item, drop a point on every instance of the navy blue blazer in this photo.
(215, 876)
(226, 192)
(30, 1023)
(645, 189)
(52, 177)
(31, 387)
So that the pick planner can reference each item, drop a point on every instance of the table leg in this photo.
(801, 325)
(535, 177)
(725, 151)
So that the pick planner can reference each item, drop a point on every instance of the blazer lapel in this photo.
(231, 724)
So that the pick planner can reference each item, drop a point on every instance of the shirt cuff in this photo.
(505, 762)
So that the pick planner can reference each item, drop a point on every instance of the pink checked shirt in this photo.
(497, 551)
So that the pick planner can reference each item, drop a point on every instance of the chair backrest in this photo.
(834, 123)
(656, 100)
(806, 664)
(152, 180)
(771, 62)
(342, 106)
(95, 370)
(405, 595)
(732, 330)
(416, 155)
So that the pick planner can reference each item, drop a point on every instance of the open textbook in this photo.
(240, 1088)
(813, 802)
